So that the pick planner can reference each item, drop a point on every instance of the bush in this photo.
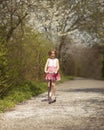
(38, 87)
(25, 91)
(65, 78)
(21, 93)
(6, 105)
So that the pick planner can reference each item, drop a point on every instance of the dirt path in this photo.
(79, 106)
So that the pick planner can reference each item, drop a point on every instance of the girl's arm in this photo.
(58, 67)
(46, 66)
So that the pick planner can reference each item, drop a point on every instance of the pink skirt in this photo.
(51, 75)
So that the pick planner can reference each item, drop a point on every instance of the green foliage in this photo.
(23, 58)
(25, 91)
(6, 105)
(38, 88)
(3, 68)
(65, 78)
(36, 49)
(21, 93)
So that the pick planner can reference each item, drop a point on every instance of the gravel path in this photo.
(79, 106)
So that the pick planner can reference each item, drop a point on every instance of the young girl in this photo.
(52, 66)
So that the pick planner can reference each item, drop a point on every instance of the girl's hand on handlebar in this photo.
(46, 72)
(56, 72)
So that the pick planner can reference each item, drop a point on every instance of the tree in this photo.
(58, 19)
(13, 14)
(18, 51)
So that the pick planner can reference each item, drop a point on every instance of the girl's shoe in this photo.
(54, 100)
(49, 100)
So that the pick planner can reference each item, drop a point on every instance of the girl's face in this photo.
(52, 54)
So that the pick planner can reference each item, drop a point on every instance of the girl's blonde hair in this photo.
(50, 52)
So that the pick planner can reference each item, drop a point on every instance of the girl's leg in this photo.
(49, 96)
(48, 89)
(54, 90)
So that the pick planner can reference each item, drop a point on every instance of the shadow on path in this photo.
(85, 90)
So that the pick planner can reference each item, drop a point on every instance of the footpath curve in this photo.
(79, 106)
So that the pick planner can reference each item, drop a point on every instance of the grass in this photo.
(65, 78)
(21, 93)
(24, 92)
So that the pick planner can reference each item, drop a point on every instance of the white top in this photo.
(52, 62)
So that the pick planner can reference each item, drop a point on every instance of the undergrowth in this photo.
(24, 92)
(21, 93)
